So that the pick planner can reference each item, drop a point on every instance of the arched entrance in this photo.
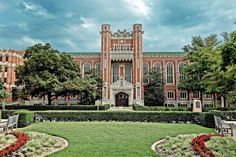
(122, 99)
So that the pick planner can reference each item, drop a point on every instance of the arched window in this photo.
(145, 73)
(97, 68)
(181, 71)
(157, 68)
(86, 68)
(169, 73)
(128, 72)
(115, 72)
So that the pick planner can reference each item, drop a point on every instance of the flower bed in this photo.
(21, 140)
(192, 145)
(30, 144)
(199, 146)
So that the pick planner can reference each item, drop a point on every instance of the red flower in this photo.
(21, 140)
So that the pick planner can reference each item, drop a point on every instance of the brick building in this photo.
(9, 59)
(122, 64)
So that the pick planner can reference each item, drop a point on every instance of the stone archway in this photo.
(121, 99)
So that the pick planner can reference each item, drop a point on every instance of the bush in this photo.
(58, 107)
(166, 117)
(159, 108)
(25, 117)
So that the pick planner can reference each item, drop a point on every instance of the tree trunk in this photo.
(49, 98)
(222, 101)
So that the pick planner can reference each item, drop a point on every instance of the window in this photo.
(115, 72)
(209, 96)
(128, 70)
(86, 68)
(183, 95)
(5, 80)
(6, 58)
(169, 73)
(0, 58)
(97, 68)
(157, 68)
(145, 73)
(5, 69)
(181, 71)
(196, 95)
(170, 95)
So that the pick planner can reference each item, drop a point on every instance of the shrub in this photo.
(25, 117)
(58, 107)
(167, 117)
(137, 107)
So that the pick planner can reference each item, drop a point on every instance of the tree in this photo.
(94, 74)
(223, 77)
(48, 73)
(3, 94)
(154, 93)
(199, 55)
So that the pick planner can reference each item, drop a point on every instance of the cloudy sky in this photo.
(74, 25)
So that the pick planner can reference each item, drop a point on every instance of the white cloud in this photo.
(70, 14)
(25, 40)
(87, 23)
(2, 26)
(139, 7)
(23, 26)
(71, 44)
(36, 10)
(2, 6)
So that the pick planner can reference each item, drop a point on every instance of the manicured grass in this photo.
(112, 139)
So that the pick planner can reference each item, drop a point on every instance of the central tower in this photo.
(122, 62)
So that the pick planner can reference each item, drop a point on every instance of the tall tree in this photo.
(47, 72)
(154, 91)
(199, 58)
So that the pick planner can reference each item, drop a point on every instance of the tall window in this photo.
(115, 72)
(128, 71)
(97, 67)
(6, 58)
(169, 73)
(86, 68)
(157, 68)
(181, 71)
(145, 73)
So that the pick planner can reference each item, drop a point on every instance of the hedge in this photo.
(25, 117)
(52, 107)
(159, 108)
(137, 107)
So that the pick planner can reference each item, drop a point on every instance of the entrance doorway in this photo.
(122, 99)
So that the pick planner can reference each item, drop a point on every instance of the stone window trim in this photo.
(154, 66)
(196, 95)
(209, 96)
(170, 95)
(84, 66)
(170, 73)
(183, 95)
(180, 70)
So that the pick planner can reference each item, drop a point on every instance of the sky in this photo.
(74, 25)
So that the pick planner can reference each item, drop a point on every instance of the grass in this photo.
(112, 139)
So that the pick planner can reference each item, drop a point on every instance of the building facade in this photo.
(122, 64)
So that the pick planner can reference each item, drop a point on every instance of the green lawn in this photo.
(112, 139)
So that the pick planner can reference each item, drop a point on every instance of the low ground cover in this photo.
(33, 145)
(181, 146)
(106, 139)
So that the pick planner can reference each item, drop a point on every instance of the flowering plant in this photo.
(199, 146)
(21, 140)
